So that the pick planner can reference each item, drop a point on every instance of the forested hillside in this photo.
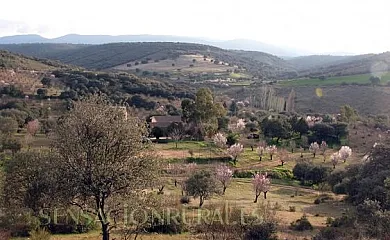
(110, 55)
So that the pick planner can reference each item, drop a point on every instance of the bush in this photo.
(202, 160)
(309, 173)
(232, 139)
(323, 198)
(264, 231)
(281, 173)
(301, 224)
(243, 174)
(292, 209)
(167, 224)
(339, 188)
(39, 234)
(185, 200)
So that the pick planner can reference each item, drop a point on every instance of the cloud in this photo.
(8, 27)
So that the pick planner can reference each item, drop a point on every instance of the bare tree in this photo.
(102, 158)
(176, 135)
(284, 156)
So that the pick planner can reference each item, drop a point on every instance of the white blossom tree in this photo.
(345, 152)
(234, 151)
(240, 124)
(224, 175)
(314, 148)
(271, 150)
(260, 151)
(334, 158)
(261, 184)
(220, 140)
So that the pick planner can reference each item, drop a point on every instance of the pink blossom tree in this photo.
(271, 150)
(261, 184)
(314, 148)
(223, 174)
(234, 151)
(345, 152)
(33, 127)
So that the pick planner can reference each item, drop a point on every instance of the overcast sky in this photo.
(317, 26)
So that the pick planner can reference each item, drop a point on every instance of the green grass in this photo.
(241, 83)
(359, 79)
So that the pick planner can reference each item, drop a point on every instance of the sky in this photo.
(318, 26)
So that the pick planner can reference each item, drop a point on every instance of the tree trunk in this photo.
(314, 155)
(292, 150)
(224, 189)
(260, 158)
(201, 201)
(235, 160)
(282, 163)
(271, 157)
(334, 166)
(105, 232)
(301, 155)
(160, 190)
(265, 195)
(176, 144)
(257, 196)
(175, 183)
(252, 148)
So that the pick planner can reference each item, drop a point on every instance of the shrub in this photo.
(232, 139)
(202, 160)
(281, 173)
(243, 174)
(39, 234)
(264, 231)
(323, 198)
(339, 188)
(185, 200)
(292, 209)
(167, 224)
(301, 224)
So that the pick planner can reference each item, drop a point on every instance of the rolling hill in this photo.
(107, 56)
(342, 65)
(236, 44)
(16, 61)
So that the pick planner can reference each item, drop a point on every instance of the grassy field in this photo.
(287, 198)
(180, 64)
(359, 79)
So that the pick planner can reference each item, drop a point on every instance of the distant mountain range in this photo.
(236, 44)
